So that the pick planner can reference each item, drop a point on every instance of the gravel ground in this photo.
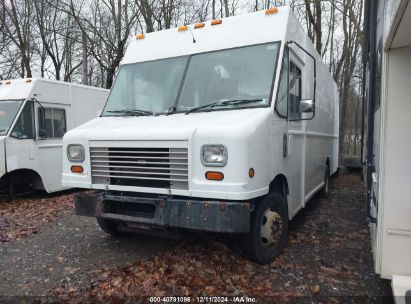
(327, 260)
(65, 253)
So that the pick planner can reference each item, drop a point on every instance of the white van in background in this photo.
(34, 116)
(231, 128)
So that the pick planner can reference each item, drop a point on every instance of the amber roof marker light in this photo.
(216, 22)
(140, 36)
(199, 25)
(183, 28)
(271, 11)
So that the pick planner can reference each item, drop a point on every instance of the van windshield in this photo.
(233, 78)
(144, 88)
(8, 111)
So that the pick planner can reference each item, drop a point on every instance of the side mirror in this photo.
(307, 106)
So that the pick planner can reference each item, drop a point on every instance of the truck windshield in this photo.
(232, 78)
(146, 88)
(8, 111)
(244, 75)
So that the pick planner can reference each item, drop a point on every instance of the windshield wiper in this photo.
(224, 103)
(134, 112)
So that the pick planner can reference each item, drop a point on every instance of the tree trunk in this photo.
(85, 57)
(110, 78)
(227, 9)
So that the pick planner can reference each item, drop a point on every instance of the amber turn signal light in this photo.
(217, 176)
(251, 172)
(77, 169)
(140, 36)
(271, 11)
(216, 22)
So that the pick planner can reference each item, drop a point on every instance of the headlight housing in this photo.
(75, 153)
(214, 155)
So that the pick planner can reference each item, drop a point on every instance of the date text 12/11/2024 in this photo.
(205, 299)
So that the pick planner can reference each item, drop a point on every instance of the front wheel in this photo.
(268, 229)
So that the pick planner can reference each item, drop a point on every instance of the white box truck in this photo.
(388, 157)
(34, 116)
(227, 126)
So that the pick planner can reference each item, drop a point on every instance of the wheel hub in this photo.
(271, 227)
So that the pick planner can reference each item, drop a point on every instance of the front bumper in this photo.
(214, 216)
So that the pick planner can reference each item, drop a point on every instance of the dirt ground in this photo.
(48, 254)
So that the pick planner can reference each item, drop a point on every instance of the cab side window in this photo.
(281, 105)
(54, 124)
(294, 112)
(24, 128)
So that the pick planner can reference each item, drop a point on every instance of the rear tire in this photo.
(325, 190)
(110, 227)
(268, 229)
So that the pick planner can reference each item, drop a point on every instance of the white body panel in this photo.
(391, 235)
(253, 137)
(2, 159)
(44, 156)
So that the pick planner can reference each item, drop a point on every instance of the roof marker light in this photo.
(271, 11)
(140, 36)
(216, 22)
(199, 25)
(183, 28)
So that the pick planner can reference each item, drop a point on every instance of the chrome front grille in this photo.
(140, 167)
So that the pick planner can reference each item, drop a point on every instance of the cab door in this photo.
(292, 134)
(51, 125)
(295, 134)
(20, 144)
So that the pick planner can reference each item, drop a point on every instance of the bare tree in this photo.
(17, 26)
(107, 24)
(58, 36)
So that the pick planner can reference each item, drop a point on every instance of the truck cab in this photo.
(34, 116)
(230, 128)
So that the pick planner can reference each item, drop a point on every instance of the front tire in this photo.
(110, 227)
(268, 229)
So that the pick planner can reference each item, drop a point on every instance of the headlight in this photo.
(214, 155)
(75, 153)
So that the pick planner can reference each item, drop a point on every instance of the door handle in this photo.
(285, 145)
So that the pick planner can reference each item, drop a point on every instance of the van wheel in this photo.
(325, 190)
(110, 227)
(268, 230)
